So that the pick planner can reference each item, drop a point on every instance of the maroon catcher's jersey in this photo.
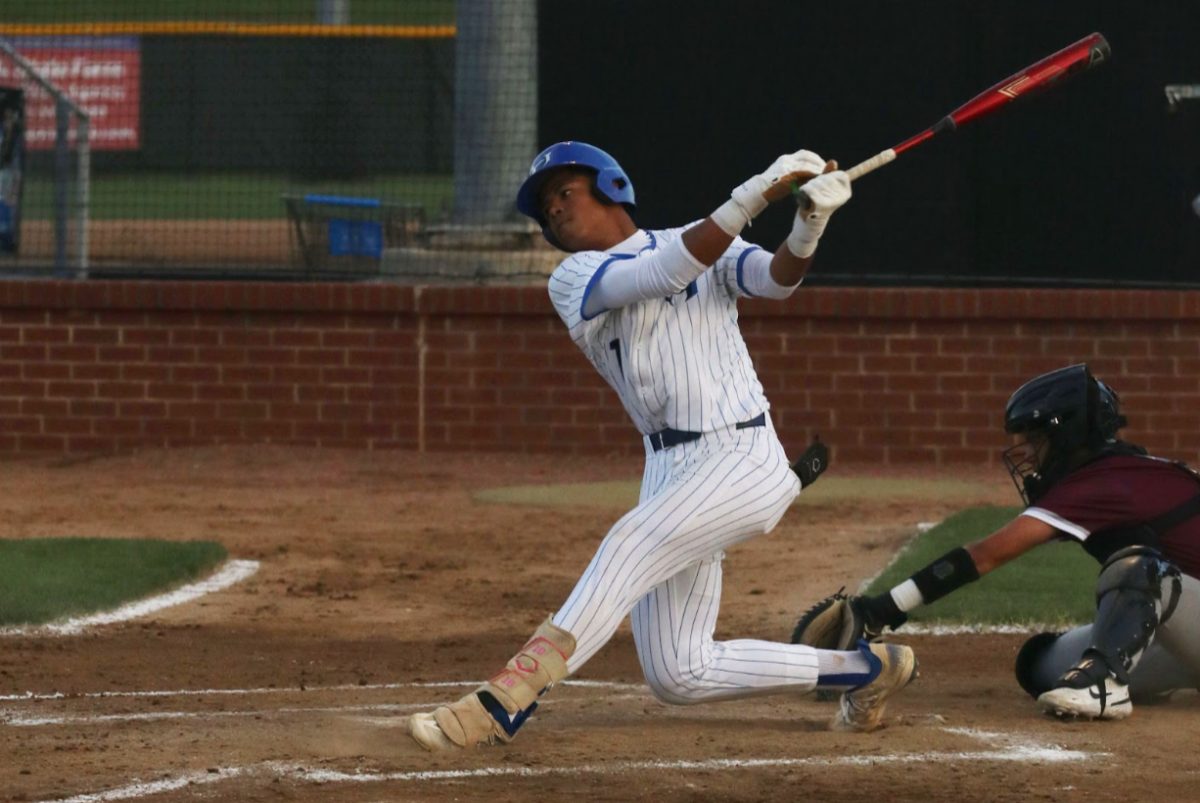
(1120, 492)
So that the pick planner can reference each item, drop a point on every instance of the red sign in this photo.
(99, 74)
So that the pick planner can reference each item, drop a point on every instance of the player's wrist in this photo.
(946, 574)
(806, 231)
(731, 217)
(881, 611)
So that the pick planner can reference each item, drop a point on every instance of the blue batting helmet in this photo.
(611, 180)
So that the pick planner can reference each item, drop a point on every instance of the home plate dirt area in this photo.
(384, 587)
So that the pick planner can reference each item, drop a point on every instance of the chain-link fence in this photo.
(208, 123)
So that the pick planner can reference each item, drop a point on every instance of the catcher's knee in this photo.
(1142, 570)
(1033, 678)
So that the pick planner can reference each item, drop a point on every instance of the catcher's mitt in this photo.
(834, 623)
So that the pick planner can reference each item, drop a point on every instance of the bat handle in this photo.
(858, 171)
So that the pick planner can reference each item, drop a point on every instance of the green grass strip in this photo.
(44, 579)
(228, 196)
(830, 490)
(1052, 584)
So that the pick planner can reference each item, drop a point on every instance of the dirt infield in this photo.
(168, 242)
(384, 586)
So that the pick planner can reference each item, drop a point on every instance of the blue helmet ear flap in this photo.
(612, 182)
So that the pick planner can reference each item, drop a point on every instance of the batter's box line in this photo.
(1013, 748)
(31, 696)
(18, 720)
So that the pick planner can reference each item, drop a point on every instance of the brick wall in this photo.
(885, 375)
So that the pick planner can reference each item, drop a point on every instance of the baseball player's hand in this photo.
(777, 180)
(828, 192)
(753, 195)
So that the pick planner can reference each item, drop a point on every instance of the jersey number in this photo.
(615, 345)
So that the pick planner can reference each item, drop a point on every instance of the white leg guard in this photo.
(495, 710)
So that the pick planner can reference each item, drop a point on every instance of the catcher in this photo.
(1136, 514)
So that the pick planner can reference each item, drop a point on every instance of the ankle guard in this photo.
(500, 706)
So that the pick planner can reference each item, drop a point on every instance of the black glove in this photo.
(877, 613)
(812, 464)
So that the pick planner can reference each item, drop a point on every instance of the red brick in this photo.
(71, 390)
(141, 409)
(320, 393)
(41, 443)
(241, 411)
(294, 411)
(145, 336)
(271, 356)
(296, 375)
(170, 390)
(145, 372)
(219, 393)
(88, 408)
(188, 410)
(45, 370)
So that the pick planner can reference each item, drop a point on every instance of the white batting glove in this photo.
(827, 192)
(752, 196)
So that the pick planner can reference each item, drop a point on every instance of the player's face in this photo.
(1030, 448)
(575, 217)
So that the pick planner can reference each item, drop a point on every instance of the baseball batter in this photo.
(1138, 515)
(656, 314)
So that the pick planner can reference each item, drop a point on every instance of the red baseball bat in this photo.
(1083, 55)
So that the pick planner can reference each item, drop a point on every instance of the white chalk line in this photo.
(982, 630)
(38, 696)
(1013, 749)
(232, 572)
(17, 720)
(22, 721)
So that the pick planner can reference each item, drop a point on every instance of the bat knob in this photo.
(802, 200)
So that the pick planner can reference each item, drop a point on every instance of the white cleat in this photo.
(862, 709)
(427, 733)
(1108, 699)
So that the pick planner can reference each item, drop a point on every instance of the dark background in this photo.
(1089, 183)
(321, 108)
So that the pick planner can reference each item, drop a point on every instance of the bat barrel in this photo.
(1074, 58)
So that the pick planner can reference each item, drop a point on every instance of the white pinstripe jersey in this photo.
(677, 362)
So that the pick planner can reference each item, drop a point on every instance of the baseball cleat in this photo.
(861, 709)
(1088, 691)
(1108, 700)
(427, 733)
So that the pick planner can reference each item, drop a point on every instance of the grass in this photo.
(1053, 584)
(232, 196)
(362, 12)
(44, 579)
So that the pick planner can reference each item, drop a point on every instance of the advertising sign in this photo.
(100, 74)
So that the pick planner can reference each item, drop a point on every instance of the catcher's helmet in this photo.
(611, 183)
(1076, 414)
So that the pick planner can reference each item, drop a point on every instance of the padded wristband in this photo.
(802, 242)
(731, 217)
(953, 570)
